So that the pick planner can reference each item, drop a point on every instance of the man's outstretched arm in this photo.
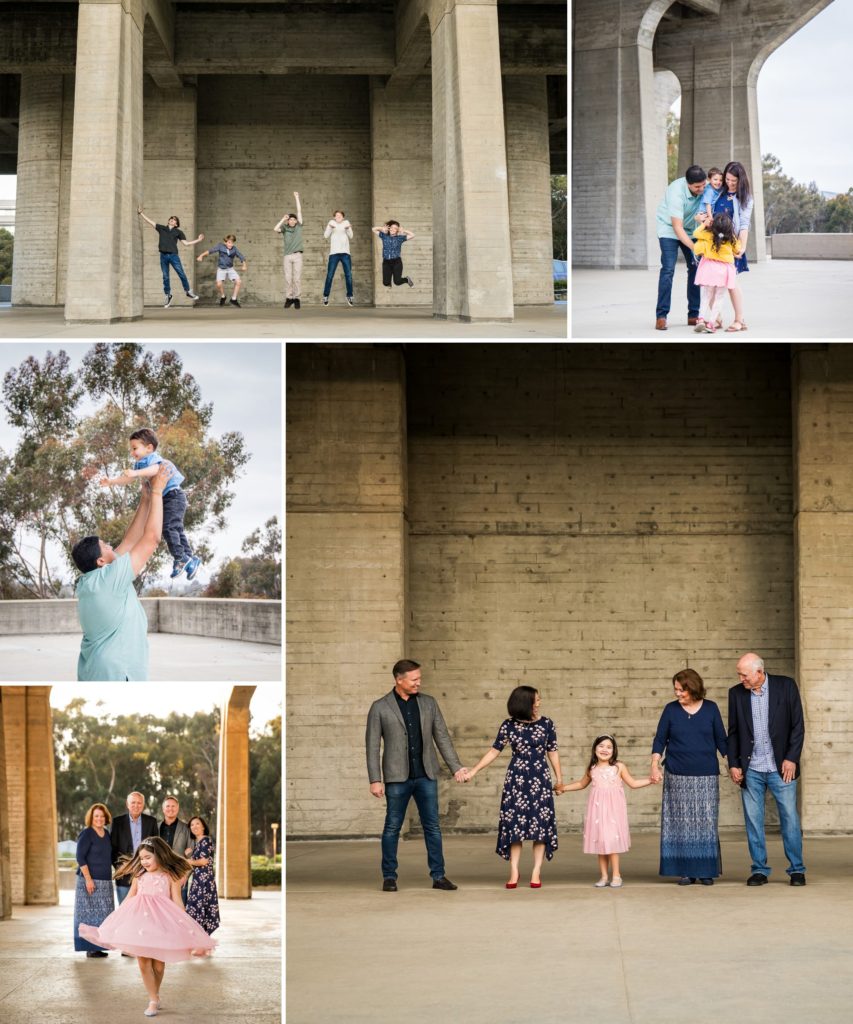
(137, 525)
(145, 547)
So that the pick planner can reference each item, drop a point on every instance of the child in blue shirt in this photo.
(393, 237)
(713, 190)
(146, 463)
(227, 253)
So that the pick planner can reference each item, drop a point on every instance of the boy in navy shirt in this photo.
(393, 237)
(146, 463)
(170, 234)
(227, 253)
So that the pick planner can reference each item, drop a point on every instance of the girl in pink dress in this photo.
(151, 924)
(605, 830)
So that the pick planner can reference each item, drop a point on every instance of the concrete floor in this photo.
(171, 656)
(312, 321)
(43, 981)
(650, 953)
(783, 299)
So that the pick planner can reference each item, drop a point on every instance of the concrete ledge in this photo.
(227, 619)
(827, 246)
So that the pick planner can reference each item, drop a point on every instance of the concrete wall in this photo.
(825, 246)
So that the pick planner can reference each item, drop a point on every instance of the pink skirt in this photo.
(716, 274)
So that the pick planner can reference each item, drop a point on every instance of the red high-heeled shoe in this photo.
(535, 885)
(510, 885)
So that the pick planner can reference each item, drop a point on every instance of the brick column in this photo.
(5, 848)
(234, 815)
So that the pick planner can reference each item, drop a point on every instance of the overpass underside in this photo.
(447, 115)
(623, 53)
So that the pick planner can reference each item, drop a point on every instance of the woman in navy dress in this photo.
(736, 200)
(93, 894)
(527, 802)
(203, 900)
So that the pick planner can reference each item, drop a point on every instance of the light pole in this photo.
(274, 827)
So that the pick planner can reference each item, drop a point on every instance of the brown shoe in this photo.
(692, 321)
(660, 323)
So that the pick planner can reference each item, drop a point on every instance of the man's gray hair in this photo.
(135, 792)
(756, 663)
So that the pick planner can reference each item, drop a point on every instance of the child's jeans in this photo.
(174, 507)
(172, 259)
(346, 261)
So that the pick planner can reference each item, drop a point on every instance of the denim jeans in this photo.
(121, 893)
(174, 507)
(334, 260)
(668, 257)
(785, 795)
(397, 797)
(172, 259)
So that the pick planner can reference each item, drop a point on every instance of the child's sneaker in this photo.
(349, 300)
(192, 566)
(178, 567)
(222, 301)
(234, 302)
(288, 303)
(297, 304)
(192, 295)
(411, 282)
(168, 302)
(325, 300)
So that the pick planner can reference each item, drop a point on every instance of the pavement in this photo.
(312, 321)
(783, 299)
(171, 656)
(43, 980)
(652, 952)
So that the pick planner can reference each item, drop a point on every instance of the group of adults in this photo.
(676, 224)
(763, 746)
(107, 842)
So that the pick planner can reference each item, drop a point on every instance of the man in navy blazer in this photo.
(766, 733)
(127, 833)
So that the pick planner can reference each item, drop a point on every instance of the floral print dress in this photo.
(203, 899)
(527, 802)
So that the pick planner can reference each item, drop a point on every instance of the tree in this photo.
(789, 206)
(559, 215)
(265, 771)
(839, 213)
(258, 574)
(673, 133)
(7, 250)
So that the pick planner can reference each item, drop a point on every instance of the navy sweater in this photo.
(691, 742)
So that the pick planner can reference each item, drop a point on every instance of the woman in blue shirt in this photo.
(691, 733)
(93, 895)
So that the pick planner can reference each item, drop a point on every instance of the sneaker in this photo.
(234, 302)
(297, 304)
(325, 300)
(192, 566)
(444, 883)
(411, 282)
(222, 301)
(192, 295)
(168, 302)
(349, 300)
(288, 303)
(178, 567)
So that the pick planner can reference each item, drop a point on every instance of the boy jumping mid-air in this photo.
(393, 237)
(227, 253)
(170, 234)
(146, 463)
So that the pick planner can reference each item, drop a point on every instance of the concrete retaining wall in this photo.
(828, 246)
(256, 621)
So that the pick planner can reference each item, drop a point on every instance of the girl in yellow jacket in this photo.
(717, 244)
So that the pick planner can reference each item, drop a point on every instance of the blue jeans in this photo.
(172, 259)
(785, 795)
(174, 508)
(397, 797)
(668, 257)
(334, 260)
(121, 893)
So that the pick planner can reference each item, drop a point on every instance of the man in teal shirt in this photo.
(115, 628)
(675, 227)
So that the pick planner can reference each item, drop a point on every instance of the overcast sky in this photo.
(243, 381)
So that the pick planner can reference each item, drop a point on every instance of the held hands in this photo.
(463, 775)
(737, 775)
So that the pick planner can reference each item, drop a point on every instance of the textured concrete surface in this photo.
(797, 299)
(817, 246)
(567, 953)
(43, 658)
(43, 979)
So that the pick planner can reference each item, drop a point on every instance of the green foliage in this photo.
(839, 213)
(7, 249)
(266, 876)
(793, 207)
(257, 575)
(673, 133)
(559, 215)
(265, 773)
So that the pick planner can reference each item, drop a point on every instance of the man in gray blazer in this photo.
(409, 725)
(177, 834)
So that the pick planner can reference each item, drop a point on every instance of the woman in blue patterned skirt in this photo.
(203, 900)
(93, 895)
(691, 732)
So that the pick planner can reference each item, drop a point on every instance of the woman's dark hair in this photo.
(86, 553)
(204, 825)
(739, 171)
(593, 761)
(341, 212)
(175, 866)
(396, 223)
(723, 230)
(520, 703)
(146, 435)
(689, 679)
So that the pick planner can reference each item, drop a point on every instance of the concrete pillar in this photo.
(823, 533)
(105, 284)
(472, 269)
(346, 560)
(37, 229)
(529, 168)
(31, 793)
(5, 848)
(234, 811)
(615, 158)
(401, 173)
(170, 180)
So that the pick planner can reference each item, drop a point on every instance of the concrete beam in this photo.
(45, 39)
(703, 6)
(159, 44)
(533, 40)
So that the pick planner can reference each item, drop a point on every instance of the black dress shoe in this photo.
(685, 880)
(95, 953)
(798, 878)
(389, 884)
(757, 879)
(706, 881)
(443, 883)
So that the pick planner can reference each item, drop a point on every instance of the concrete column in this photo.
(35, 279)
(472, 269)
(529, 169)
(346, 560)
(823, 532)
(170, 180)
(105, 273)
(401, 173)
(234, 814)
(5, 848)
(31, 793)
